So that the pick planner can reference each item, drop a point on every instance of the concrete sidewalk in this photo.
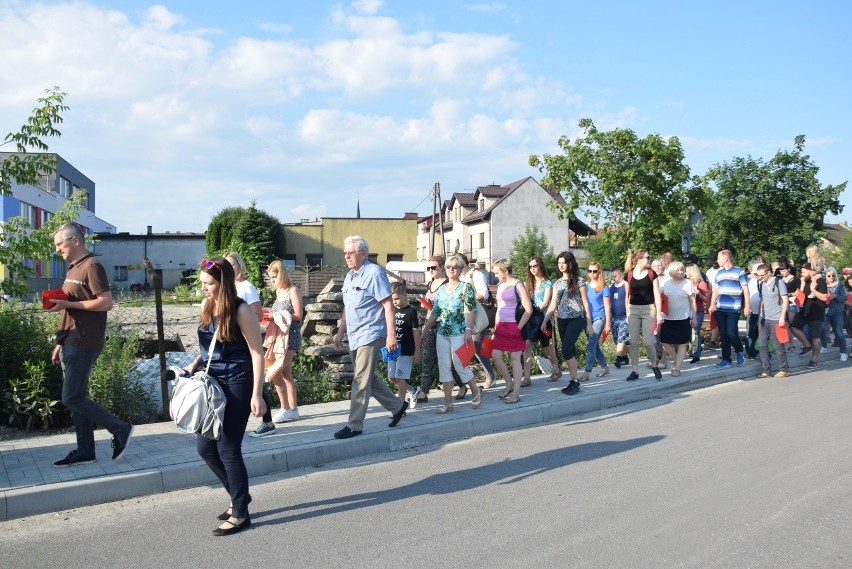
(161, 459)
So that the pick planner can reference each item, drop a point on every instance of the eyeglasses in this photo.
(533, 266)
(348, 253)
(432, 268)
(760, 276)
(208, 264)
(453, 267)
(830, 276)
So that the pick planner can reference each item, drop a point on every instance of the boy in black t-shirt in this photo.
(407, 327)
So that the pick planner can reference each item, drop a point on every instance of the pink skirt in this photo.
(507, 338)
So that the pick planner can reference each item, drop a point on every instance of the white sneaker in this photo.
(289, 415)
(823, 350)
(411, 397)
(844, 357)
(280, 416)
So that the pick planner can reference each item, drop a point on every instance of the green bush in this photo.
(27, 402)
(118, 389)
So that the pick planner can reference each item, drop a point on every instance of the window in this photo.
(28, 212)
(374, 257)
(119, 273)
(313, 259)
(66, 188)
(481, 204)
(482, 240)
(394, 257)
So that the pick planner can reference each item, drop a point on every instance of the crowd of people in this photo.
(663, 304)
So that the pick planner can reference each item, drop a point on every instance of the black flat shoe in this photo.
(346, 433)
(694, 360)
(224, 516)
(235, 528)
(462, 392)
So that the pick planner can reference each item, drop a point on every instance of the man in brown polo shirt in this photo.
(79, 341)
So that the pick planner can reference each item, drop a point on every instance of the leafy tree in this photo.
(27, 169)
(256, 235)
(531, 243)
(637, 186)
(842, 256)
(607, 250)
(21, 244)
(767, 208)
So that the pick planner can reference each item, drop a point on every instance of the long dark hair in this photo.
(572, 277)
(542, 270)
(224, 305)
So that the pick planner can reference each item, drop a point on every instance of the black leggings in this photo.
(569, 330)
(225, 456)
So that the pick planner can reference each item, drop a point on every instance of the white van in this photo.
(410, 271)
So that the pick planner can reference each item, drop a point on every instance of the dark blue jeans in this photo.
(225, 456)
(837, 322)
(752, 335)
(729, 333)
(77, 364)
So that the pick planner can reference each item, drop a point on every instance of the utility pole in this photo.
(436, 212)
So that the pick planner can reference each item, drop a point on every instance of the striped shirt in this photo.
(730, 283)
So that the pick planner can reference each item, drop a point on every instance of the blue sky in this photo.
(180, 109)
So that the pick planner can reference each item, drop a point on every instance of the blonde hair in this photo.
(283, 278)
(693, 273)
(633, 258)
(502, 265)
(598, 281)
(674, 267)
(241, 270)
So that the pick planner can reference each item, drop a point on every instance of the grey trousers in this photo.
(365, 384)
(764, 332)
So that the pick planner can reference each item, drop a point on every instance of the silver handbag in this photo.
(198, 402)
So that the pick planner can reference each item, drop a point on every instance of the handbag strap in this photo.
(210, 350)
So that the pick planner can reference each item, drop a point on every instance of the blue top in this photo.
(730, 282)
(596, 300)
(231, 360)
(540, 291)
(617, 306)
(836, 304)
(363, 293)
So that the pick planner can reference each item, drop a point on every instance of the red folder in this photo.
(800, 298)
(47, 297)
(782, 333)
(486, 348)
(664, 303)
(425, 303)
(604, 334)
(465, 353)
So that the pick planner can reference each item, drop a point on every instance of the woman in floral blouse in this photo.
(453, 311)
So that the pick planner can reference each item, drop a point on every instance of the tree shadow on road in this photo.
(509, 471)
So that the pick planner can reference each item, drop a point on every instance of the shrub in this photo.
(27, 402)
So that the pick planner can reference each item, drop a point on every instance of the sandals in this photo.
(487, 385)
(476, 401)
(554, 376)
(675, 372)
(603, 372)
(443, 409)
(462, 392)
(512, 399)
(584, 377)
(505, 393)
(526, 383)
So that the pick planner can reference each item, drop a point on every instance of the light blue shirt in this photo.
(363, 293)
(730, 283)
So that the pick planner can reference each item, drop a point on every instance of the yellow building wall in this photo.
(384, 236)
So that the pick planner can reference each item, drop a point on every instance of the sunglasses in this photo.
(593, 271)
(208, 264)
(432, 268)
(455, 268)
(533, 266)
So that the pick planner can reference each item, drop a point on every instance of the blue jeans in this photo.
(728, 323)
(77, 364)
(836, 321)
(594, 349)
(698, 345)
(225, 456)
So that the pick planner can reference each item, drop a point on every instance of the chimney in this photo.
(150, 227)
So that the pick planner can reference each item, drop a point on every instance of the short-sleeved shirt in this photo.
(405, 321)
(814, 308)
(85, 280)
(730, 283)
(569, 304)
(479, 282)
(540, 290)
(678, 293)
(596, 301)
(363, 293)
(618, 301)
(247, 292)
(451, 308)
(771, 294)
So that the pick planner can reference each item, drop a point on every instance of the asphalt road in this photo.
(745, 474)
